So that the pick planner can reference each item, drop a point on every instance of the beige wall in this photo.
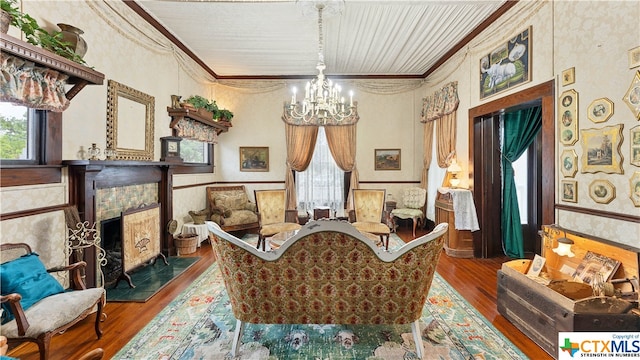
(117, 50)
(565, 34)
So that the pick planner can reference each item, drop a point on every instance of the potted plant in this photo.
(36, 35)
(220, 115)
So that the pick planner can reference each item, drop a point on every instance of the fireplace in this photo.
(88, 177)
(112, 245)
(130, 241)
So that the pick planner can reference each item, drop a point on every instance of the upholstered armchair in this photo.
(231, 208)
(367, 213)
(272, 214)
(35, 305)
(413, 200)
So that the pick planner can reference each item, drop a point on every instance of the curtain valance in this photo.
(24, 83)
(442, 102)
(195, 130)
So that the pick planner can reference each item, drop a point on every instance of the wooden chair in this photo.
(272, 214)
(39, 321)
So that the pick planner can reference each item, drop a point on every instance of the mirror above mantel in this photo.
(130, 122)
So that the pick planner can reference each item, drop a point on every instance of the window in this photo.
(322, 184)
(20, 135)
(193, 151)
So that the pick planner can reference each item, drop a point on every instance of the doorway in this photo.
(485, 177)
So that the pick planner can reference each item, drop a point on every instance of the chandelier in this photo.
(323, 102)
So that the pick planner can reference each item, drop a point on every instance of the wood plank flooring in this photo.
(474, 279)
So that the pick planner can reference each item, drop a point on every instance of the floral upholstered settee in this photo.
(231, 208)
(327, 273)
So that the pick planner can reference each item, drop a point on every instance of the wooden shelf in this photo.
(79, 75)
(178, 114)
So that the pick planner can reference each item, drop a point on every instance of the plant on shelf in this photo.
(36, 35)
(217, 114)
(225, 115)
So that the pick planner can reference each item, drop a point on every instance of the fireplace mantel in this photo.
(87, 176)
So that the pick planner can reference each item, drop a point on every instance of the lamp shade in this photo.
(564, 247)
(454, 167)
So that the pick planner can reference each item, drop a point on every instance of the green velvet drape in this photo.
(520, 129)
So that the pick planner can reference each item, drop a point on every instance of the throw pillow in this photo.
(28, 277)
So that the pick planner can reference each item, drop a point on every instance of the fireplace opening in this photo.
(112, 244)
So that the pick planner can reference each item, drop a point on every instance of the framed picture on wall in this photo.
(634, 141)
(632, 97)
(634, 57)
(506, 66)
(387, 159)
(569, 163)
(568, 113)
(602, 191)
(569, 76)
(634, 183)
(601, 150)
(254, 158)
(569, 190)
(600, 110)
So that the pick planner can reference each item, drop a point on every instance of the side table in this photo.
(200, 229)
(321, 212)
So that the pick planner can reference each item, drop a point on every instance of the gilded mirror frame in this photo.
(118, 91)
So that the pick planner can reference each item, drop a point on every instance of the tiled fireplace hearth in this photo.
(102, 190)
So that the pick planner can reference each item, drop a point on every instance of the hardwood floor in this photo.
(474, 279)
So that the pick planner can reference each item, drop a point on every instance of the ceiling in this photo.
(279, 39)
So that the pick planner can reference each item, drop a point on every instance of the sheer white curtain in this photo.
(322, 184)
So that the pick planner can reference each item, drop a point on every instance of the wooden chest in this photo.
(542, 310)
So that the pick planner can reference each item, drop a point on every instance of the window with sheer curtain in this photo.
(322, 184)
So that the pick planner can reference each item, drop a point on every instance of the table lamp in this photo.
(454, 168)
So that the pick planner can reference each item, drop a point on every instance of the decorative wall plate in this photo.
(569, 163)
(602, 191)
(600, 110)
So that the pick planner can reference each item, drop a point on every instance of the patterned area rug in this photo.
(199, 324)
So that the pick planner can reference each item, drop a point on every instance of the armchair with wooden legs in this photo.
(35, 305)
(367, 214)
(273, 215)
(413, 200)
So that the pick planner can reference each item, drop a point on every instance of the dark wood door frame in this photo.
(546, 93)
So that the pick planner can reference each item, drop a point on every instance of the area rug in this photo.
(148, 280)
(199, 324)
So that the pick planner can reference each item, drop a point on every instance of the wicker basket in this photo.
(186, 243)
